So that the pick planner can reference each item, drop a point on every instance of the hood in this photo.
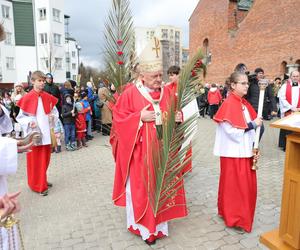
(68, 95)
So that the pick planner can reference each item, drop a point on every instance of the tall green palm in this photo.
(169, 157)
(119, 43)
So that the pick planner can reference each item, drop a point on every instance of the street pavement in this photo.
(78, 212)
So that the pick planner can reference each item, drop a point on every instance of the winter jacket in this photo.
(214, 96)
(253, 96)
(67, 114)
(52, 89)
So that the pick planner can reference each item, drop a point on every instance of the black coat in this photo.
(67, 114)
(52, 89)
(253, 96)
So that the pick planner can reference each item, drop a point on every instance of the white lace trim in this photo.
(162, 227)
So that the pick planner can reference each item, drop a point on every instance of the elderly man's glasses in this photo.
(243, 83)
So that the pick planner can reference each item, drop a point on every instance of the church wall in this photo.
(264, 37)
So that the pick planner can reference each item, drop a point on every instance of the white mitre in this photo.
(150, 59)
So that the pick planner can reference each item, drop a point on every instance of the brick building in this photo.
(259, 33)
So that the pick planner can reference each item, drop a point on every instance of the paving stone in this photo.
(78, 212)
(249, 242)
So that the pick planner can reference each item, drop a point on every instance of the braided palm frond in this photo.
(170, 157)
(119, 43)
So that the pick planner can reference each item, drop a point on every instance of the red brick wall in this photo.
(266, 36)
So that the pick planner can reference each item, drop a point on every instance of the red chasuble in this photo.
(237, 184)
(113, 139)
(132, 156)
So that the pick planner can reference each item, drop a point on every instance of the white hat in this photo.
(18, 84)
(89, 84)
(150, 59)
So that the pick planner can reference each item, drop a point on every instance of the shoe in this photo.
(238, 230)
(74, 146)
(149, 243)
(44, 193)
(69, 147)
(79, 144)
(84, 143)
(49, 184)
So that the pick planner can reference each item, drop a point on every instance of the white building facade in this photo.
(7, 47)
(71, 58)
(37, 40)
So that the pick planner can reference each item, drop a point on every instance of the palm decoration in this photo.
(169, 157)
(119, 43)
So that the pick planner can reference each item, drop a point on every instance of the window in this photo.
(10, 63)
(57, 39)
(45, 62)
(58, 63)
(73, 53)
(43, 38)
(42, 13)
(74, 78)
(8, 39)
(5, 11)
(177, 36)
(73, 65)
(164, 34)
(56, 15)
(67, 59)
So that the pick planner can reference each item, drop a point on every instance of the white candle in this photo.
(262, 86)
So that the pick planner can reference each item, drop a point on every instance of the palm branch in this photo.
(119, 43)
(169, 155)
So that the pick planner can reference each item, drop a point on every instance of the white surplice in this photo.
(234, 142)
(41, 119)
(283, 103)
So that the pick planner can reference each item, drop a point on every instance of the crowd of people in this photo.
(81, 111)
(211, 96)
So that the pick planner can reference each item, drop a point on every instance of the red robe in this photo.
(113, 139)
(237, 184)
(39, 158)
(132, 154)
(173, 89)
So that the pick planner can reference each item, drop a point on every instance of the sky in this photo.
(87, 18)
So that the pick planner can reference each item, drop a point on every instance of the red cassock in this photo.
(133, 159)
(237, 185)
(39, 158)
(173, 89)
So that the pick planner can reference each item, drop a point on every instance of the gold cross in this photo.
(156, 48)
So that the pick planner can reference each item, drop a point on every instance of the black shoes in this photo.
(50, 185)
(149, 243)
(44, 193)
